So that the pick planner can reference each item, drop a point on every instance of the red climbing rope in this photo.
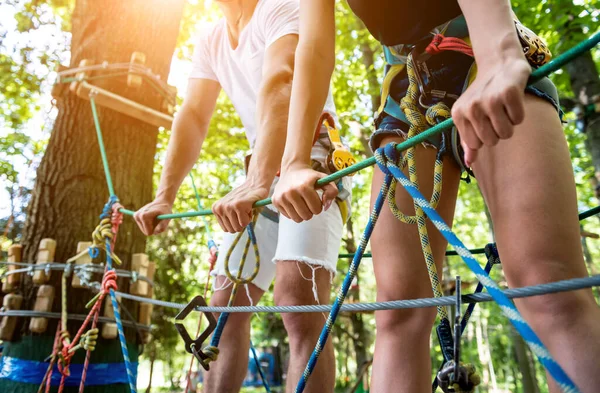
(441, 43)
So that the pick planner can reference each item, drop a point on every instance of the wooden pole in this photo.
(124, 105)
(45, 255)
(83, 260)
(43, 302)
(9, 324)
(12, 281)
(142, 265)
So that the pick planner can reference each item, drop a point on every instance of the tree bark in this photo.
(70, 188)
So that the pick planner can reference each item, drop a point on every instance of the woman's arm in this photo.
(295, 196)
(495, 102)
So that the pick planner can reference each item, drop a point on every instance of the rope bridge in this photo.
(390, 163)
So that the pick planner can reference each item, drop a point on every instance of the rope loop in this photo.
(89, 340)
(239, 280)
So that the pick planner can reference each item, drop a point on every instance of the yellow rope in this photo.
(419, 123)
(239, 279)
(212, 351)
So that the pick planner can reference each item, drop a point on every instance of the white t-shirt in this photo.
(239, 71)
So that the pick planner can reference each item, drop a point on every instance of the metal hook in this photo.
(192, 345)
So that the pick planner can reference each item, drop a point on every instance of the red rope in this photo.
(116, 219)
(87, 358)
(441, 43)
(109, 281)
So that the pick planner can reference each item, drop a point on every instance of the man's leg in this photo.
(304, 328)
(227, 374)
(306, 258)
(401, 362)
(528, 185)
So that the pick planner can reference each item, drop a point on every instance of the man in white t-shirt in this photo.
(250, 54)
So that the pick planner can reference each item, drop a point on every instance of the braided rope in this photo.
(419, 123)
(212, 350)
(386, 159)
(341, 296)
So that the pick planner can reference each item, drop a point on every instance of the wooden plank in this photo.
(109, 329)
(83, 260)
(135, 80)
(43, 302)
(145, 318)
(12, 281)
(142, 265)
(8, 324)
(167, 105)
(45, 255)
(124, 105)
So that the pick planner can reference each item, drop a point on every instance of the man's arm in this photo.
(189, 131)
(234, 211)
(295, 195)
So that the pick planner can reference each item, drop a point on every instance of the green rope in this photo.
(109, 182)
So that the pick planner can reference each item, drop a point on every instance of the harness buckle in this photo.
(534, 48)
(194, 346)
(339, 156)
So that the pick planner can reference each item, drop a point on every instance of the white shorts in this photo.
(315, 242)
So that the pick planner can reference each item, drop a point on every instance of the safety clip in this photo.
(195, 346)
(339, 156)
(454, 377)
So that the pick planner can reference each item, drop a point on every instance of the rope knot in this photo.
(440, 43)
(211, 353)
(109, 281)
(491, 251)
(434, 46)
(89, 340)
(106, 211)
(387, 155)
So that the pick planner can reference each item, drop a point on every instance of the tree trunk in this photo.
(70, 188)
(527, 371)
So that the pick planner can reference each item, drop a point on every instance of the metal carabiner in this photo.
(194, 346)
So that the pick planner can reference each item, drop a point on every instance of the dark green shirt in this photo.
(394, 22)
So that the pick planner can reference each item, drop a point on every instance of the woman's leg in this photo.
(402, 361)
(527, 182)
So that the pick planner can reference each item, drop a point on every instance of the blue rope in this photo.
(115, 304)
(386, 160)
(312, 362)
(260, 371)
